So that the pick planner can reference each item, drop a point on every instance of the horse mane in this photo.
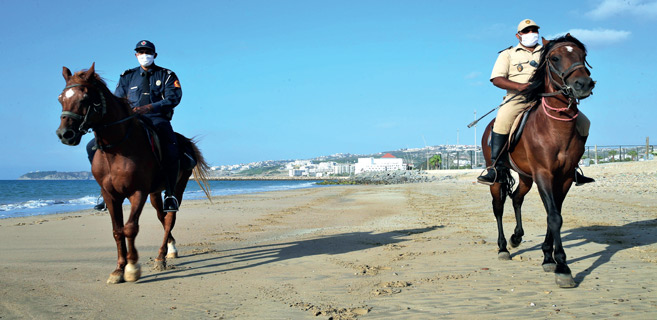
(537, 80)
(98, 82)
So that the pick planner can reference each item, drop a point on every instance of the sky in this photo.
(278, 80)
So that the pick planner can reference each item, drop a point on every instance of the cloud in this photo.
(597, 37)
(609, 8)
(472, 75)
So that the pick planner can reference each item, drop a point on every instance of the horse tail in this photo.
(201, 170)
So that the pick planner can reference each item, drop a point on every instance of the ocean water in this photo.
(19, 198)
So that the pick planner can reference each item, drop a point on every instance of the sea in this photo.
(20, 198)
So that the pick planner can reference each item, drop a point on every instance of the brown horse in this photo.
(125, 165)
(548, 150)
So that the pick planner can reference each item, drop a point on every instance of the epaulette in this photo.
(505, 49)
(168, 71)
(129, 71)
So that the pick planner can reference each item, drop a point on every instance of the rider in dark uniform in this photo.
(154, 92)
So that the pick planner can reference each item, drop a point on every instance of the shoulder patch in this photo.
(505, 49)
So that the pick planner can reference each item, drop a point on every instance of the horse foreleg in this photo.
(552, 200)
(114, 206)
(131, 229)
(499, 197)
(518, 197)
(549, 265)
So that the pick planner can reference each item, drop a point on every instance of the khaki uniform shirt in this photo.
(513, 64)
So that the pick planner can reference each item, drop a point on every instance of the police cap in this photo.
(145, 44)
(522, 25)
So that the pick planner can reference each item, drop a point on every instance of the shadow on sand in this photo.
(615, 238)
(249, 257)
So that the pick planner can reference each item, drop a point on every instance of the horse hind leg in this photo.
(518, 197)
(168, 247)
(499, 196)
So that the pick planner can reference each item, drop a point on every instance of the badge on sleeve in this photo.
(176, 84)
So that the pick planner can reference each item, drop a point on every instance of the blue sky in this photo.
(273, 80)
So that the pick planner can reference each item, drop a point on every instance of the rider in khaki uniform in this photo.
(512, 70)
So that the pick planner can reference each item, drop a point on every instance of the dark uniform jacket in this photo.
(164, 92)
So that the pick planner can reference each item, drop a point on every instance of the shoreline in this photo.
(411, 251)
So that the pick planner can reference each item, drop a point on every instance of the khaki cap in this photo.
(527, 23)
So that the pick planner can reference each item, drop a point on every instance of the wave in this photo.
(40, 207)
(19, 208)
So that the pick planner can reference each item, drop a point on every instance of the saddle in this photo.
(185, 151)
(518, 126)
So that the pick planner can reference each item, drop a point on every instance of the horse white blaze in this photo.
(569, 48)
(69, 93)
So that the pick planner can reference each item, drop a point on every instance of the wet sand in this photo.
(414, 251)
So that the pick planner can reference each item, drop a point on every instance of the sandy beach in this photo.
(412, 251)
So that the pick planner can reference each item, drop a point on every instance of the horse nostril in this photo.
(67, 135)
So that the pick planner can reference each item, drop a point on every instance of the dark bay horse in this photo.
(548, 150)
(124, 166)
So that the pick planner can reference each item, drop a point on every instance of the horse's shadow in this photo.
(249, 257)
(616, 239)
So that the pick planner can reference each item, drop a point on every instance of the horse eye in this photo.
(555, 59)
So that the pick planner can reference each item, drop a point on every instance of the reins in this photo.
(546, 106)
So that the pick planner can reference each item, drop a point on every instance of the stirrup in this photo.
(487, 182)
(172, 207)
(100, 204)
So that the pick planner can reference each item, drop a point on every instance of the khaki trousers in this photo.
(509, 111)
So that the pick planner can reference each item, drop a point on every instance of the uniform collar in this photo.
(150, 71)
(538, 48)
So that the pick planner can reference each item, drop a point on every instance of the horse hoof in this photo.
(115, 278)
(172, 252)
(564, 280)
(132, 272)
(504, 255)
(160, 265)
(549, 267)
(514, 243)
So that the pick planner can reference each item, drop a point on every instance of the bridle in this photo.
(98, 108)
(91, 108)
(564, 88)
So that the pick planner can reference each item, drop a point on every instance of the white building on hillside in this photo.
(386, 163)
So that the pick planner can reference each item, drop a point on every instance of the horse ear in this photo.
(545, 42)
(66, 73)
(90, 73)
(568, 35)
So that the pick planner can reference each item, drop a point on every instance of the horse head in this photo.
(565, 63)
(83, 105)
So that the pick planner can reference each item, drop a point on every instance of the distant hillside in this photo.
(54, 175)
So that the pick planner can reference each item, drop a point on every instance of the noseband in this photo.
(564, 88)
(92, 108)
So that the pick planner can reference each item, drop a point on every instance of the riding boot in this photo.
(580, 179)
(497, 143)
(101, 206)
(171, 175)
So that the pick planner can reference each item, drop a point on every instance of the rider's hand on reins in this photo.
(143, 109)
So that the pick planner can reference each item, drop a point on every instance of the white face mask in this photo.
(145, 60)
(529, 39)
